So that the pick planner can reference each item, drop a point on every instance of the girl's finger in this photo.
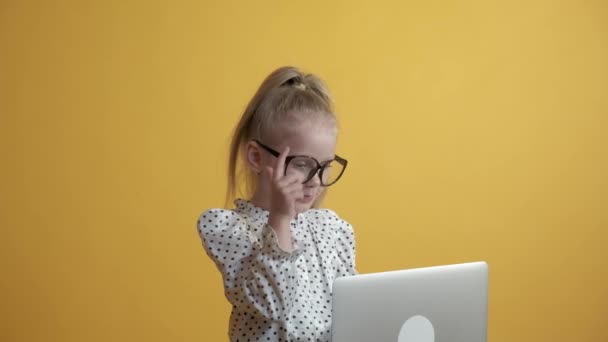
(296, 193)
(289, 179)
(279, 169)
(292, 187)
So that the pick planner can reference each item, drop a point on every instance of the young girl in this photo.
(277, 253)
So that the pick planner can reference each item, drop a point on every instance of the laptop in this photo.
(434, 304)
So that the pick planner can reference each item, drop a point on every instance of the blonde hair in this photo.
(287, 93)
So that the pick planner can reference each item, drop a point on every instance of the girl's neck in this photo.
(260, 200)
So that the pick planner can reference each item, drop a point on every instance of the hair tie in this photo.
(300, 86)
(295, 82)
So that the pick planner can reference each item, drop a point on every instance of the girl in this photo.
(277, 253)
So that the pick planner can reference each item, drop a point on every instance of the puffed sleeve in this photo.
(259, 277)
(344, 241)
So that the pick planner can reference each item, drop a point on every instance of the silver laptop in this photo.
(434, 304)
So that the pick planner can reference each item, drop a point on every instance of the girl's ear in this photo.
(254, 157)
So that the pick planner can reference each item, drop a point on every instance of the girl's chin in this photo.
(304, 204)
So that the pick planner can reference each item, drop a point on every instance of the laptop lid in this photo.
(433, 304)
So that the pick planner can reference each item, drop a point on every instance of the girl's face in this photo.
(317, 140)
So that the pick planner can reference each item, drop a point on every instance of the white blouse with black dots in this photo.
(276, 295)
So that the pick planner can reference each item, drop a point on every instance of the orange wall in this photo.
(475, 130)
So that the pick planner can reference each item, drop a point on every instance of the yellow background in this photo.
(475, 130)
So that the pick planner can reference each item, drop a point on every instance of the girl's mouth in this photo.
(307, 198)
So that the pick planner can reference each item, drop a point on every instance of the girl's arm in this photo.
(280, 225)
(259, 276)
(284, 190)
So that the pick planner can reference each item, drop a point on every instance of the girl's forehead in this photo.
(311, 140)
(305, 131)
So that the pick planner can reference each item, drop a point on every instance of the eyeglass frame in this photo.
(321, 167)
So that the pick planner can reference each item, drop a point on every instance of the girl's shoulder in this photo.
(245, 214)
(218, 214)
(243, 209)
(323, 213)
(217, 218)
(328, 217)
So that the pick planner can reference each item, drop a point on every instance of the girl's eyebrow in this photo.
(320, 160)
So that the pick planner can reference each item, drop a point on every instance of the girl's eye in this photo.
(301, 163)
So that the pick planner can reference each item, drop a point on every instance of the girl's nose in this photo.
(315, 180)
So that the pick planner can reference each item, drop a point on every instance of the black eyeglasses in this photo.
(308, 167)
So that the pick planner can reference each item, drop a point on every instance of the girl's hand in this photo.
(284, 190)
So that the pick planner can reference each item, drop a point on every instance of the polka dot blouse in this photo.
(276, 295)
